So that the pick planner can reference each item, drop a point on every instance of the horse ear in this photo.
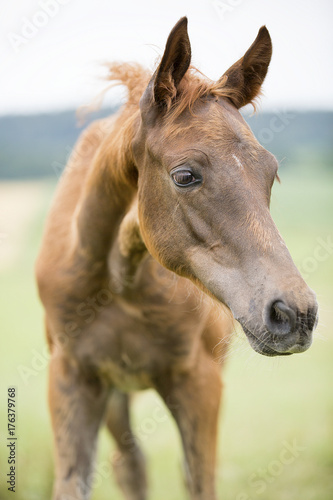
(174, 64)
(245, 77)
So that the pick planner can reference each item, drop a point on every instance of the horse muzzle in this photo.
(286, 329)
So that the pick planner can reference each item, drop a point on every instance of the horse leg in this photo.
(128, 462)
(77, 406)
(193, 399)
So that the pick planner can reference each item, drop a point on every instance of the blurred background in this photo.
(276, 433)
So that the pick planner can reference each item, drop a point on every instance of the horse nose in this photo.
(280, 318)
(312, 317)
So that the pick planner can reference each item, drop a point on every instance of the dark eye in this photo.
(183, 178)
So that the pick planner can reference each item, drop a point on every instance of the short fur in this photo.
(130, 261)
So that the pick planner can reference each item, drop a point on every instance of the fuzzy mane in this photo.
(194, 87)
(133, 76)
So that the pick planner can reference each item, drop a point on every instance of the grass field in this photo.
(276, 433)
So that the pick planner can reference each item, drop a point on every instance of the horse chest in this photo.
(130, 350)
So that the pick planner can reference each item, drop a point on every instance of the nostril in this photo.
(281, 319)
(312, 318)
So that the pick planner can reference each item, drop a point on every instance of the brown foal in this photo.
(162, 205)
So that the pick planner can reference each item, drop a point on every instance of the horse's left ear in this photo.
(174, 64)
(246, 76)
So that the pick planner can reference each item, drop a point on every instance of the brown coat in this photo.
(160, 226)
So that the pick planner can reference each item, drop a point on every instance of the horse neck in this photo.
(107, 196)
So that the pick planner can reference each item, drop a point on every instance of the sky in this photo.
(52, 51)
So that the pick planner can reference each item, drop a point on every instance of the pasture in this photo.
(276, 424)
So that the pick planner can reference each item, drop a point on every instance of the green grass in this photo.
(269, 404)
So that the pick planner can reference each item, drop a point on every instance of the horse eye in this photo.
(183, 177)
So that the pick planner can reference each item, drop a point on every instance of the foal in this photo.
(160, 206)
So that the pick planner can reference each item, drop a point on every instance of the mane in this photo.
(195, 86)
(133, 76)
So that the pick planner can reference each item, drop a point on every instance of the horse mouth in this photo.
(269, 347)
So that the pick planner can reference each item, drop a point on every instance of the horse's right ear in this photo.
(173, 66)
(245, 77)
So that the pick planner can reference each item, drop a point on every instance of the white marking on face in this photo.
(239, 163)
